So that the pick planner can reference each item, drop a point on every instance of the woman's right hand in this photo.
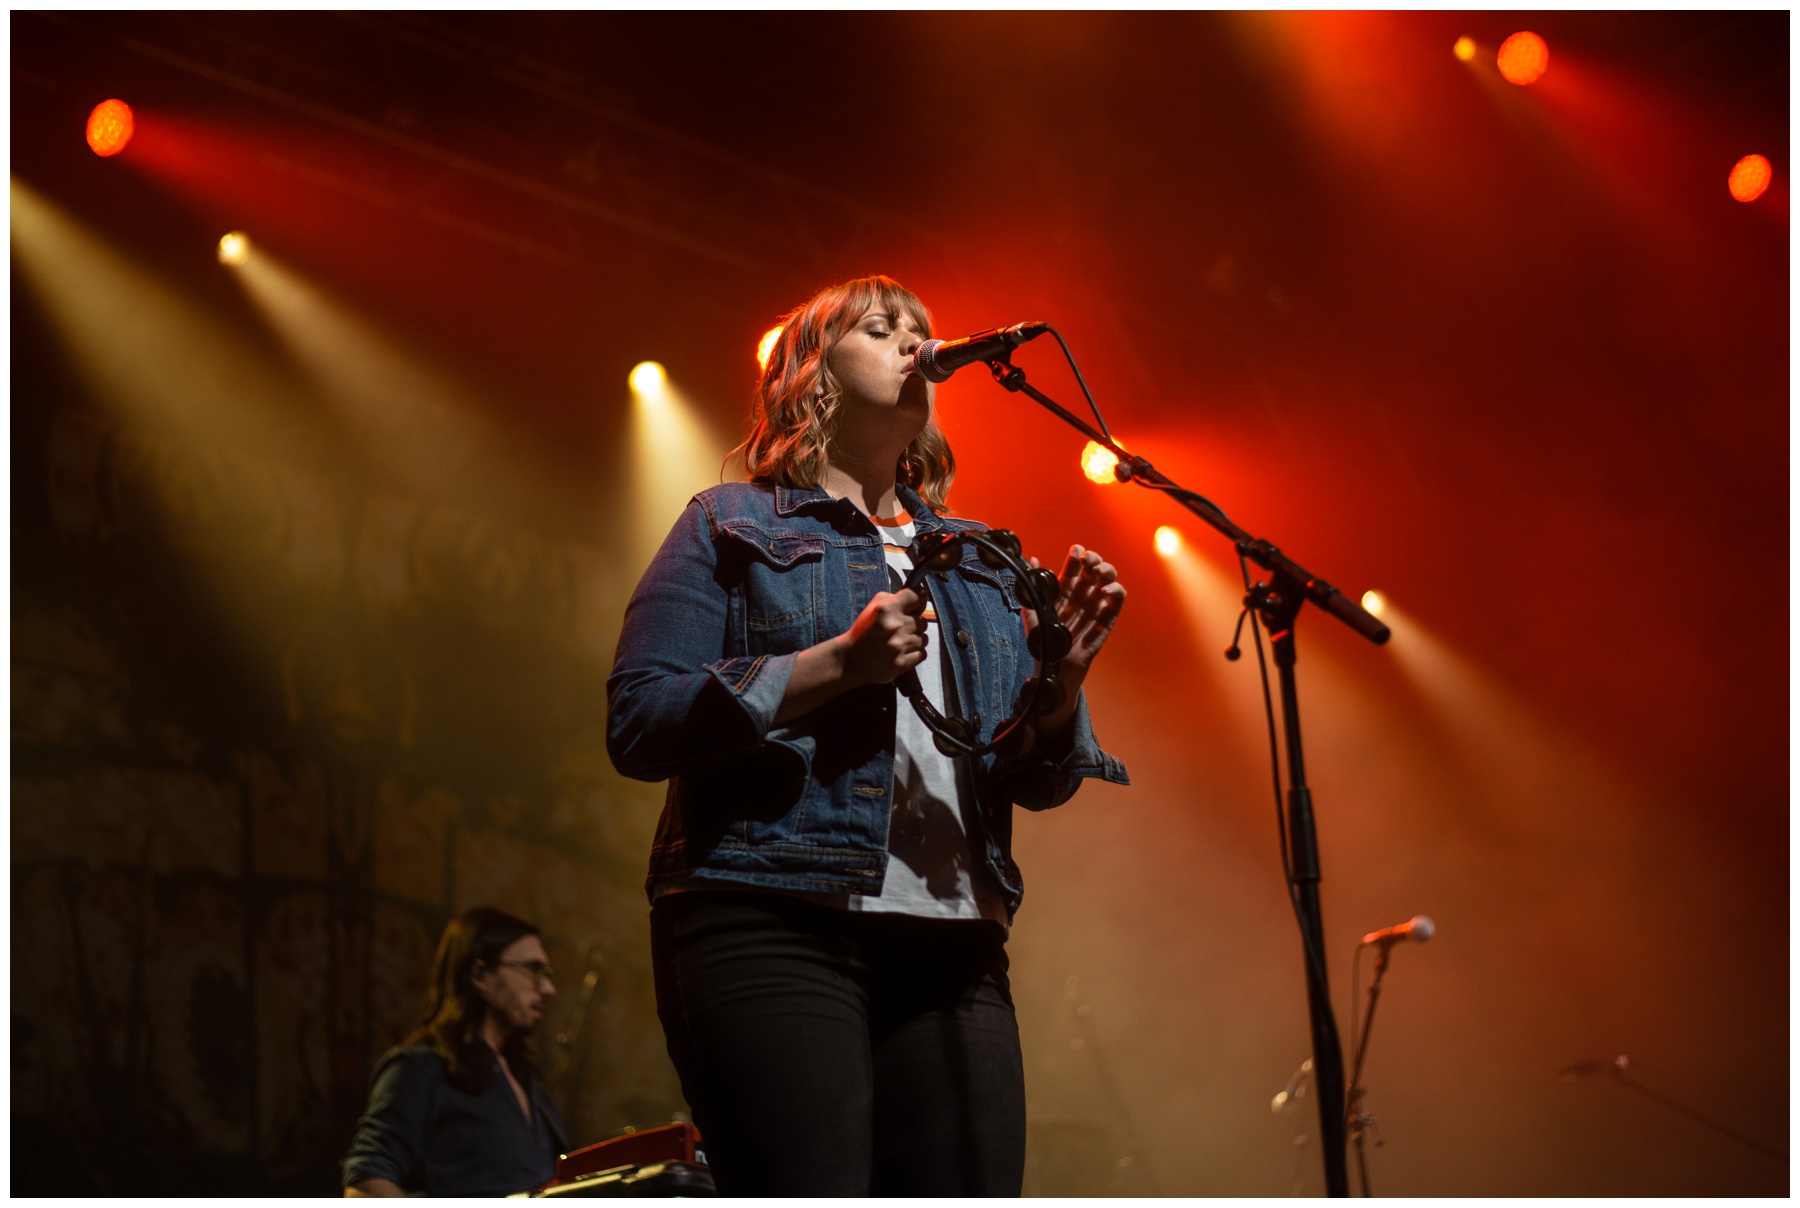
(889, 637)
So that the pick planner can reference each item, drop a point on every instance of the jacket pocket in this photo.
(778, 587)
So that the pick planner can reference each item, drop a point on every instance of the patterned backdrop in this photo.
(271, 730)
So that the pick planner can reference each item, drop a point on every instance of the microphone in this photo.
(938, 359)
(1587, 1069)
(1419, 927)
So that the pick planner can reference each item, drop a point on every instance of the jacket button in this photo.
(963, 638)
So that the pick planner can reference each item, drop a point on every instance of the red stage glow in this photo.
(109, 127)
(1750, 177)
(766, 345)
(1523, 58)
(1097, 463)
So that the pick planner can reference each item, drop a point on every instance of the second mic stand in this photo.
(1357, 1118)
(1278, 602)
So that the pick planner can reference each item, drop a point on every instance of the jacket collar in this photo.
(789, 500)
(924, 519)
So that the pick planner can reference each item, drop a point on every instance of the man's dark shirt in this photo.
(428, 1137)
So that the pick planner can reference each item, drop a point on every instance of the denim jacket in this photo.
(751, 575)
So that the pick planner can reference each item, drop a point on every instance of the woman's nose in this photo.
(909, 343)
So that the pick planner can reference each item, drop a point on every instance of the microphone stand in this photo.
(1279, 600)
(1619, 1068)
(1356, 1116)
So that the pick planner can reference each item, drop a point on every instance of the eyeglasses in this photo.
(540, 972)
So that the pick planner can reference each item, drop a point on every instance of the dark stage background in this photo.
(317, 564)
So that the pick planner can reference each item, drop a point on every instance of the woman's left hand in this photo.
(1089, 606)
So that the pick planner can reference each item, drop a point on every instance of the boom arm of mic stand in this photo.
(1259, 551)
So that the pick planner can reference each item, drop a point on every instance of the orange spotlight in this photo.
(1168, 541)
(109, 127)
(234, 249)
(1750, 177)
(1374, 601)
(766, 346)
(1097, 462)
(1464, 48)
(1523, 58)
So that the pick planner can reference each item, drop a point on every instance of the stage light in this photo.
(1523, 58)
(1168, 541)
(765, 347)
(673, 452)
(109, 127)
(416, 426)
(1750, 177)
(649, 378)
(234, 249)
(1097, 462)
(1464, 48)
(1374, 601)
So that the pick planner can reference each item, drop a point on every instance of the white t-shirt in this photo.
(936, 863)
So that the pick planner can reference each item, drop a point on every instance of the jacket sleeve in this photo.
(674, 703)
(390, 1137)
(1049, 774)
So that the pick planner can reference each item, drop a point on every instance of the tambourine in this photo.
(1049, 640)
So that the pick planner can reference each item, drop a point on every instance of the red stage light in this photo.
(1523, 58)
(1750, 177)
(1464, 48)
(109, 127)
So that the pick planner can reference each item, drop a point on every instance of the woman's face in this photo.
(873, 365)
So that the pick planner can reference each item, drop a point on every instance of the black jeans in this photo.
(826, 1052)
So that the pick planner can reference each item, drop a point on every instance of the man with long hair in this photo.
(458, 1108)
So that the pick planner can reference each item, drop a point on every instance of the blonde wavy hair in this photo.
(794, 413)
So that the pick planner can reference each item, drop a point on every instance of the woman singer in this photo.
(830, 892)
